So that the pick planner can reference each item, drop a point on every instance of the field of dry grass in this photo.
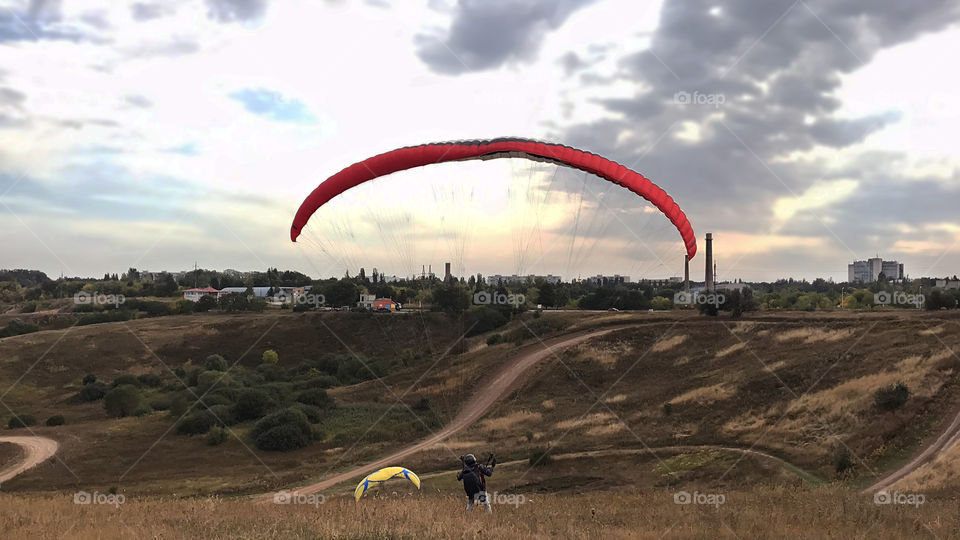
(761, 513)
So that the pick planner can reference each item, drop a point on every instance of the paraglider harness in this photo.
(473, 476)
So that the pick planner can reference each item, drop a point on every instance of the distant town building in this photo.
(869, 270)
(669, 282)
(727, 287)
(194, 295)
(366, 301)
(385, 304)
(949, 284)
(608, 280)
(498, 279)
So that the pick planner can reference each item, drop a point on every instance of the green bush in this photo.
(223, 415)
(314, 414)
(18, 327)
(270, 357)
(56, 420)
(160, 403)
(151, 380)
(272, 372)
(253, 403)
(21, 420)
(284, 438)
(196, 423)
(483, 319)
(217, 435)
(494, 339)
(126, 378)
(316, 396)
(205, 303)
(89, 378)
(891, 397)
(215, 362)
(207, 379)
(281, 431)
(92, 392)
(142, 410)
(122, 400)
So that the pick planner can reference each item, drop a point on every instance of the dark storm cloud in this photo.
(236, 10)
(775, 67)
(486, 34)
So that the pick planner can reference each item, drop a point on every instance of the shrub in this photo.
(317, 397)
(160, 403)
(667, 408)
(422, 405)
(180, 373)
(842, 462)
(270, 357)
(252, 404)
(891, 397)
(122, 400)
(284, 438)
(196, 423)
(540, 457)
(280, 418)
(215, 362)
(313, 414)
(126, 378)
(483, 319)
(494, 339)
(272, 372)
(18, 327)
(92, 392)
(207, 379)
(89, 378)
(216, 435)
(56, 420)
(142, 410)
(205, 303)
(150, 379)
(222, 415)
(21, 420)
(183, 307)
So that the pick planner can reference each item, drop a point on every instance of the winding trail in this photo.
(944, 442)
(38, 450)
(478, 404)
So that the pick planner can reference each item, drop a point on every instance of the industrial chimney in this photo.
(686, 274)
(708, 277)
(446, 272)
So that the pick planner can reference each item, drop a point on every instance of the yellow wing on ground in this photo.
(381, 476)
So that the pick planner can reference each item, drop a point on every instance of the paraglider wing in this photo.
(378, 477)
(427, 154)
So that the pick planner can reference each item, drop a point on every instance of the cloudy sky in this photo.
(156, 134)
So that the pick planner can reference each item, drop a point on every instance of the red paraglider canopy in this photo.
(428, 154)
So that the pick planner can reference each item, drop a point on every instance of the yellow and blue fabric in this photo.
(378, 477)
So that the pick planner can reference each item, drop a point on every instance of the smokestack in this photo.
(446, 272)
(686, 274)
(708, 278)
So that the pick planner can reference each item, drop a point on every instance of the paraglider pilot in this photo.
(473, 475)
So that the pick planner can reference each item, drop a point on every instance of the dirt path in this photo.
(948, 438)
(38, 450)
(475, 408)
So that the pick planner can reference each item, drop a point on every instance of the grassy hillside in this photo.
(795, 386)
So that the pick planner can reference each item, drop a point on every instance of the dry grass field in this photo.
(761, 513)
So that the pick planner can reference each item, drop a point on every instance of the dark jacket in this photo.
(474, 478)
